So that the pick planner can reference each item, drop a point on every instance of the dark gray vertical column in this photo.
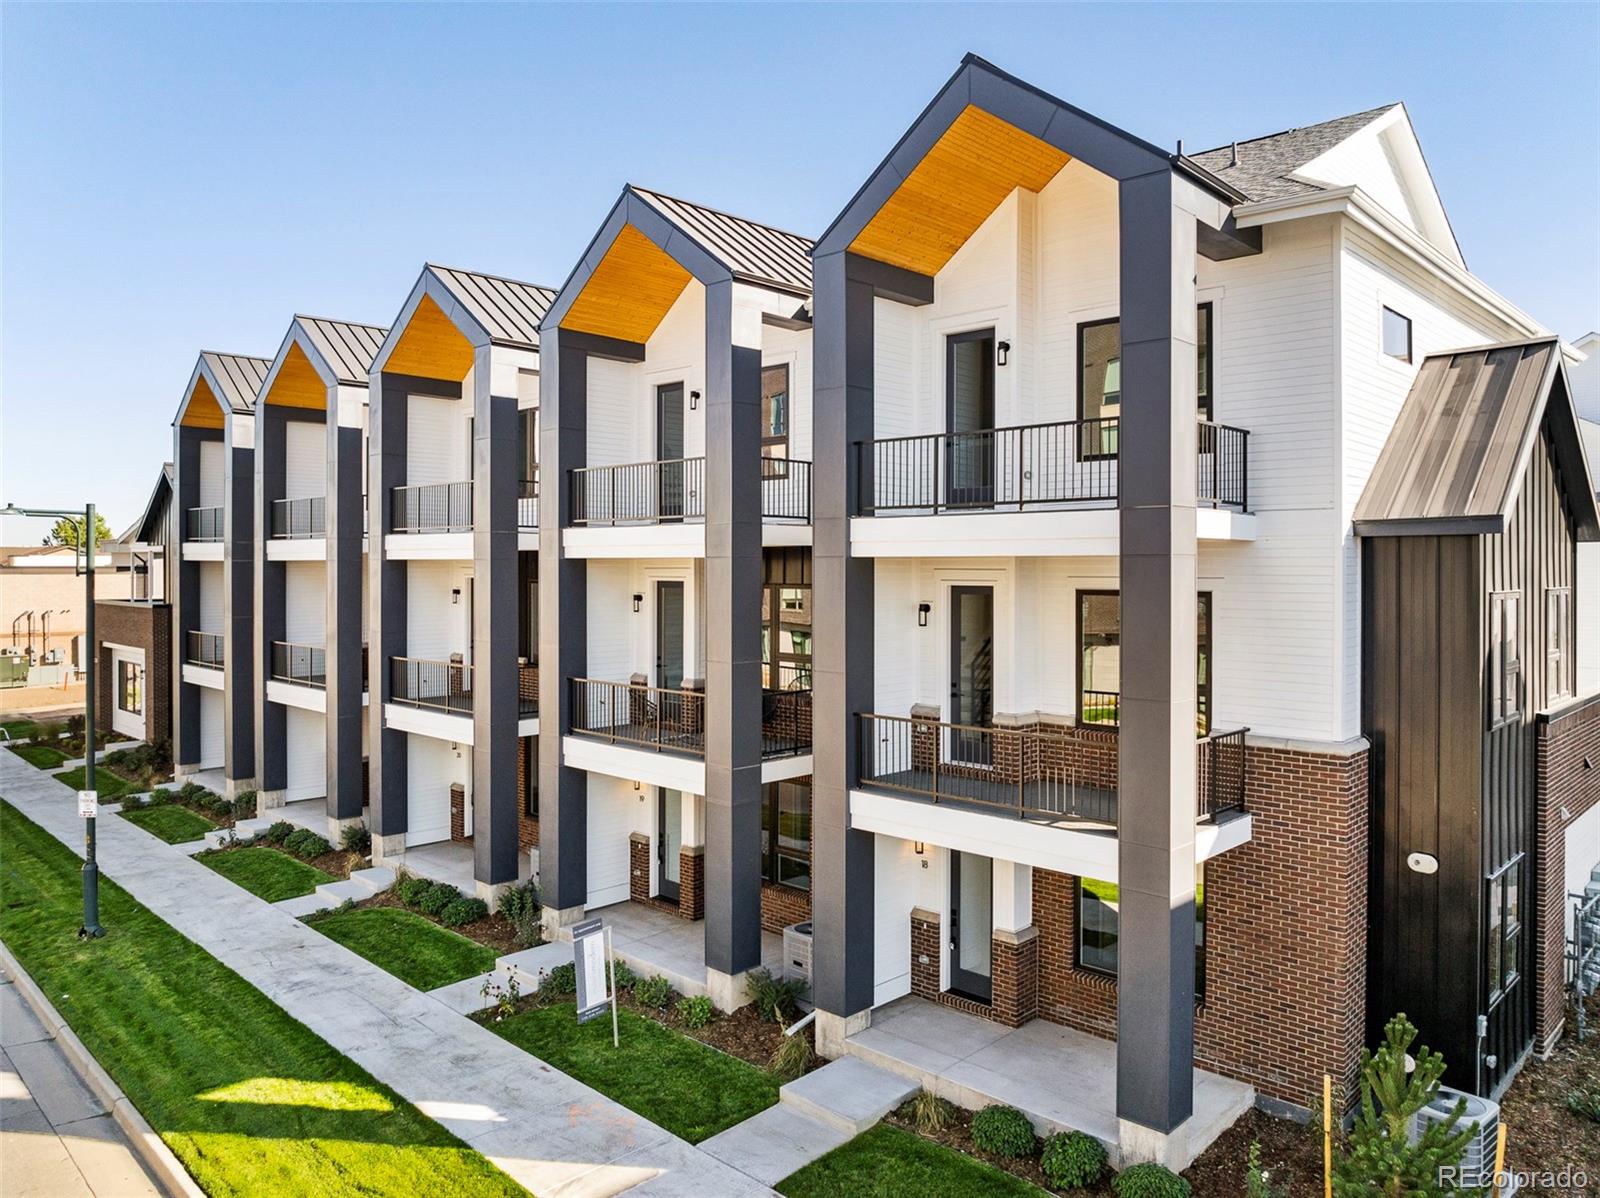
(386, 584)
(563, 625)
(733, 635)
(494, 629)
(238, 610)
(1156, 756)
(842, 660)
(270, 603)
(342, 620)
(185, 596)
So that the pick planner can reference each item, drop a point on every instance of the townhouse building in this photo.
(213, 619)
(134, 635)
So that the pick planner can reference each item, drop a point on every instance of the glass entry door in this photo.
(669, 635)
(969, 418)
(971, 672)
(669, 450)
(669, 840)
(971, 925)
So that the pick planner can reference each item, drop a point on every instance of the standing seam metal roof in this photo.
(509, 310)
(347, 348)
(239, 376)
(751, 251)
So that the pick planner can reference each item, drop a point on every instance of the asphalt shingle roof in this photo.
(1265, 163)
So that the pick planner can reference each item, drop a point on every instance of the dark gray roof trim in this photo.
(142, 528)
(752, 252)
(1459, 450)
(1265, 163)
(508, 310)
(1097, 143)
(347, 349)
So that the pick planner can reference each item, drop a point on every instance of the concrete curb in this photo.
(158, 1158)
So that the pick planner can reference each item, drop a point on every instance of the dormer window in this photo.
(1396, 335)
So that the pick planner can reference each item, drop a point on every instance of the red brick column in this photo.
(691, 882)
(1014, 958)
(458, 812)
(639, 867)
(925, 954)
(1567, 751)
(527, 825)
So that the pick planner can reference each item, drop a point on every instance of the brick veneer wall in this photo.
(1014, 958)
(528, 684)
(527, 825)
(782, 906)
(639, 867)
(458, 813)
(1285, 937)
(146, 626)
(1566, 789)
(691, 882)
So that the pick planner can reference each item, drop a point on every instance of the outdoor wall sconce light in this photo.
(922, 614)
(636, 784)
(455, 596)
(694, 400)
(918, 847)
(638, 601)
(1002, 351)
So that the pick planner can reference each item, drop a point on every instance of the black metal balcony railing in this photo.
(441, 685)
(528, 503)
(674, 491)
(299, 519)
(204, 524)
(435, 507)
(1031, 773)
(304, 665)
(675, 720)
(205, 649)
(1069, 461)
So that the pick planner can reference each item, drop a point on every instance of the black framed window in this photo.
(1396, 335)
(130, 687)
(528, 443)
(1100, 659)
(786, 834)
(775, 411)
(1505, 657)
(528, 615)
(1558, 643)
(1203, 353)
(1504, 923)
(1100, 378)
(1097, 919)
(786, 637)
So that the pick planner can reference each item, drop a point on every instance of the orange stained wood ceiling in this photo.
(203, 409)
(431, 346)
(629, 292)
(298, 384)
(976, 163)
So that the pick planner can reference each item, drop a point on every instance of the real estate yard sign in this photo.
(590, 941)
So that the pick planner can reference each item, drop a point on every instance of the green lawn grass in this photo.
(689, 1088)
(18, 729)
(889, 1160)
(107, 785)
(265, 873)
(418, 952)
(41, 757)
(250, 1100)
(172, 823)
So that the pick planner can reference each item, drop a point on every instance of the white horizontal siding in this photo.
(210, 597)
(212, 474)
(436, 440)
(614, 808)
(431, 767)
(211, 738)
(435, 627)
(306, 756)
(304, 602)
(305, 460)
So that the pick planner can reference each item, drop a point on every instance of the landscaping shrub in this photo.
(1072, 1160)
(191, 791)
(306, 844)
(1585, 1103)
(356, 839)
(135, 803)
(409, 889)
(775, 998)
(928, 1112)
(75, 727)
(653, 992)
(437, 897)
(695, 1012)
(561, 980)
(1003, 1130)
(791, 1057)
(626, 978)
(463, 911)
(1149, 1180)
(523, 908)
(161, 796)
(46, 734)
(278, 832)
(244, 805)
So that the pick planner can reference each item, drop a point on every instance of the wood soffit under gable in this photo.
(203, 410)
(630, 292)
(298, 385)
(976, 163)
(431, 346)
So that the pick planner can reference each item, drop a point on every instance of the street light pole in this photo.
(91, 928)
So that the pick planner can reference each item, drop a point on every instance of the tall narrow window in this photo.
(1505, 657)
(1503, 921)
(786, 638)
(1100, 380)
(1558, 643)
(1100, 659)
(1203, 353)
(786, 834)
(1396, 335)
(775, 411)
(1202, 667)
(530, 776)
(130, 687)
(1097, 933)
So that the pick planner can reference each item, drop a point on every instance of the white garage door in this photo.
(431, 767)
(305, 453)
(436, 441)
(210, 729)
(307, 746)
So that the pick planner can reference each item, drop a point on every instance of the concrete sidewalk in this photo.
(57, 1140)
(553, 1134)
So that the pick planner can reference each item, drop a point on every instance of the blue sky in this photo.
(185, 177)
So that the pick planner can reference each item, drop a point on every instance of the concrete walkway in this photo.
(57, 1140)
(553, 1134)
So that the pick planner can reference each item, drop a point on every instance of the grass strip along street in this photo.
(418, 952)
(891, 1160)
(265, 873)
(173, 824)
(251, 1101)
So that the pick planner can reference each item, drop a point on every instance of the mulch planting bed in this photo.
(339, 863)
(1542, 1135)
(957, 1134)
